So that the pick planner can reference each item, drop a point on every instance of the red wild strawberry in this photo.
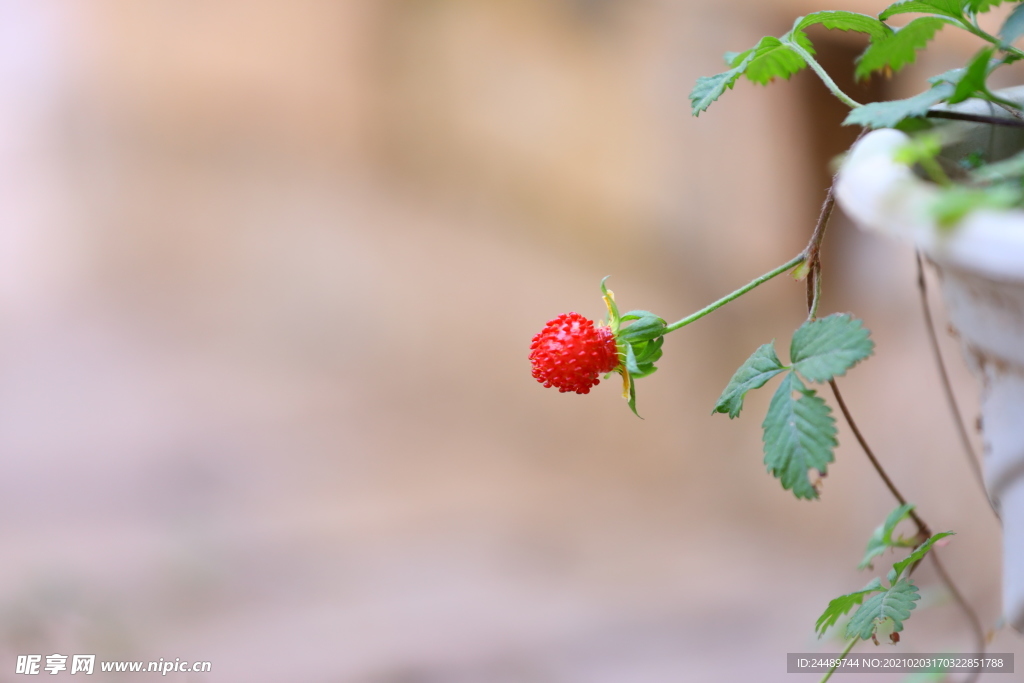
(570, 352)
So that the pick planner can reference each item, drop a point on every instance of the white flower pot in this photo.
(981, 262)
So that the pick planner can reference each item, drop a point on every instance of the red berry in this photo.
(570, 352)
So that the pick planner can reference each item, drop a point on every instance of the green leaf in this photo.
(919, 552)
(889, 114)
(845, 21)
(828, 347)
(762, 365)
(1013, 27)
(799, 435)
(882, 539)
(898, 48)
(843, 604)
(954, 203)
(949, 8)
(979, 6)
(894, 604)
(774, 59)
(648, 327)
(710, 88)
(973, 79)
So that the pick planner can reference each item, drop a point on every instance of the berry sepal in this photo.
(639, 344)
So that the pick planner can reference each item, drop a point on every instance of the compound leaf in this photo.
(843, 604)
(799, 435)
(882, 539)
(887, 610)
(762, 365)
(828, 347)
(978, 6)
(898, 48)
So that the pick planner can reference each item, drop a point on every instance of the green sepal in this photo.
(886, 610)
(762, 365)
(840, 606)
(826, 348)
(799, 435)
(882, 539)
(647, 326)
(919, 553)
(614, 319)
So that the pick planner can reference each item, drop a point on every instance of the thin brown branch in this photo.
(947, 387)
(976, 118)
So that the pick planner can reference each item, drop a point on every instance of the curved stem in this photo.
(849, 646)
(792, 263)
(823, 75)
(947, 387)
(965, 607)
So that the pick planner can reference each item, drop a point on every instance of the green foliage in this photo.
(844, 21)
(898, 48)
(843, 604)
(979, 6)
(827, 348)
(647, 326)
(762, 365)
(888, 114)
(972, 81)
(919, 552)
(1013, 27)
(955, 202)
(799, 435)
(886, 610)
(948, 8)
(882, 539)
(710, 88)
(780, 57)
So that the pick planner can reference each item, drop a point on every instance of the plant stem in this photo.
(947, 388)
(793, 262)
(814, 250)
(849, 646)
(823, 75)
(977, 118)
(975, 623)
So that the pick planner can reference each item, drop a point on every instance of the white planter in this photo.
(981, 263)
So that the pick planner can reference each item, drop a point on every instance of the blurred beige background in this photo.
(268, 275)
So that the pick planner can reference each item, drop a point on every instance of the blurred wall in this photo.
(269, 275)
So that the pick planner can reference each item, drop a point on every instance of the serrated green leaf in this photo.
(648, 327)
(898, 48)
(710, 88)
(799, 435)
(762, 365)
(844, 21)
(979, 6)
(889, 114)
(972, 80)
(773, 58)
(882, 539)
(919, 552)
(896, 603)
(828, 347)
(1013, 27)
(949, 8)
(730, 57)
(843, 604)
